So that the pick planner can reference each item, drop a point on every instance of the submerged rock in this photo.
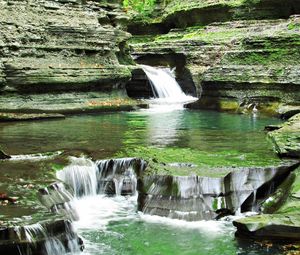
(25, 116)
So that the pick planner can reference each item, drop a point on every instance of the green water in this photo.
(204, 138)
(103, 136)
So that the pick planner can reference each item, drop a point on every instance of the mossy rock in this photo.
(287, 138)
(284, 228)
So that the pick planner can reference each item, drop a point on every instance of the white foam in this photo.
(35, 157)
(212, 227)
(95, 212)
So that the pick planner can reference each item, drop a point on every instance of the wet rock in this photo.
(284, 224)
(3, 155)
(112, 176)
(287, 138)
(272, 227)
(57, 199)
(119, 176)
(43, 237)
(24, 116)
(274, 202)
(287, 111)
(197, 198)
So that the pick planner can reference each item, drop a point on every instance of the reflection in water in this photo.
(102, 136)
(162, 128)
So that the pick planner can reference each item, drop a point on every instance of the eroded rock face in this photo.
(235, 65)
(59, 46)
(283, 224)
(197, 198)
(184, 13)
(180, 197)
(45, 237)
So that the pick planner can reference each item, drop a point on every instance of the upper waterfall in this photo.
(164, 85)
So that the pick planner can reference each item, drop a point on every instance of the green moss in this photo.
(203, 163)
(184, 5)
(142, 39)
(275, 57)
(294, 26)
(292, 205)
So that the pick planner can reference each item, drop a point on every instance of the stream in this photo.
(112, 225)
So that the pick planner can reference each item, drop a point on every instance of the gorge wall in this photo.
(54, 53)
(72, 56)
(240, 55)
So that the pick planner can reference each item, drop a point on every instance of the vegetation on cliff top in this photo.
(141, 6)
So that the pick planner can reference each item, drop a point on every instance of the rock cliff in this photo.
(240, 55)
(50, 47)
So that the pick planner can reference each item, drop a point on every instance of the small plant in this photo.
(141, 6)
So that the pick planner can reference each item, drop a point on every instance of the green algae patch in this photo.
(186, 161)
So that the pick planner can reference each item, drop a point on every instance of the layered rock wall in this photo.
(242, 63)
(49, 46)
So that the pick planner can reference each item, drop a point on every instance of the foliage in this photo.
(141, 6)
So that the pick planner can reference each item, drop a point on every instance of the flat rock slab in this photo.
(287, 138)
(270, 227)
(29, 116)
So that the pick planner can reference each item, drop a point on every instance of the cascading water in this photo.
(91, 182)
(165, 88)
(113, 177)
(81, 176)
(48, 238)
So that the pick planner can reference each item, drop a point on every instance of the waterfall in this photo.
(112, 177)
(81, 176)
(164, 85)
(47, 238)
(118, 176)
